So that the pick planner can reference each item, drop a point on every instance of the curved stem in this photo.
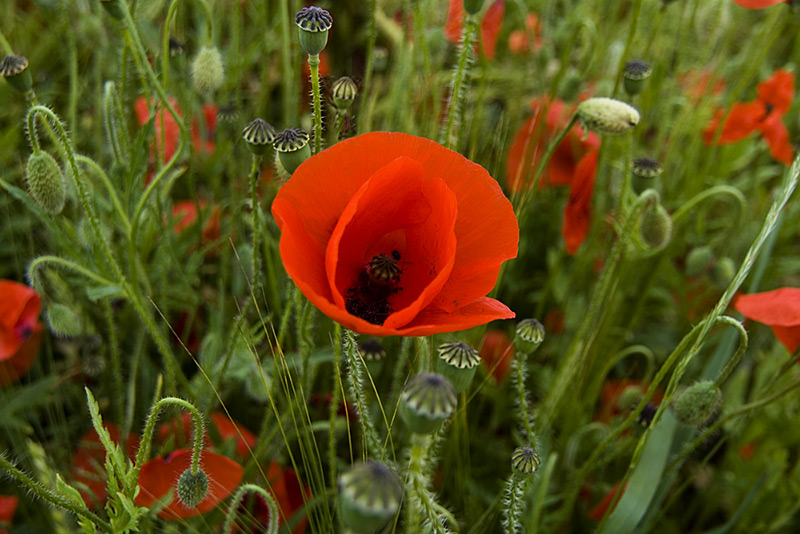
(698, 198)
(272, 526)
(69, 265)
(109, 188)
(740, 350)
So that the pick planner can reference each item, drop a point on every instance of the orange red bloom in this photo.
(391, 234)
(88, 463)
(8, 505)
(758, 4)
(497, 351)
(185, 214)
(780, 309)
(764, 115)
(490, 25)
(223, 427)
(159, 476)
(519, 41)
(578, 211)
(20, 329)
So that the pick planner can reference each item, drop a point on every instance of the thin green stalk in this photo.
(423, 513)
(459, 83)
(514, 503)
(637, 8)
(355, 367)
(173, 7)
(61, 262)
(272, 526)
(287, 74)
(116, 366)
(518, 364)
(336, 398)
(8, 50)
(372, 35)
(112, 193)
(256, 206)
(313, 63)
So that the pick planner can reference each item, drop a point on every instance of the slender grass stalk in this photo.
(355, 366)
(289, 104)
(256, 206)
(459, 84)
(116, 366)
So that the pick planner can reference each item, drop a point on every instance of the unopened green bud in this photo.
(369, 496)
(292, 148)
(700, 401)
(646, 172)
(698, 260)
(525, 460)
(344, 92)
(457, 362)
(15, 70)
(607, 116)
(113, 8)
(473, 7)
(723, 272)
(46, 182)
(530, 334)
(656, 227)
(207, 70)
(192, 489)
(63, 321)
(635, 74)
(313, 24)
(427, 400)
(258, 134)
(629, 397)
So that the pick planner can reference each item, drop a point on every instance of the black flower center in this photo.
(368, 296)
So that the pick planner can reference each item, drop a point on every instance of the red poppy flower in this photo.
(225, 428)
(698, 84)
(88, 463)
(578, 211)
(490, 25)
(8, 505)
(391, 234)
(519, 41)
(780, 309)
(20, 329)
(610, 398)
(599, 510)
(757, 4)
(765, 115)
(185, 214)
(531, 142)
(497, 351)
(159, 476)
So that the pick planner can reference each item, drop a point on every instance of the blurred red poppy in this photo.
(159, 476)
(20, 329)
(185, 215)
(490, 25)
(391, 234)
(757, 4)
(532, 139)
(600, 509)
(764, 115)
(613, 391)
(8, 505)
(578, 210)
(497, 351)
(88, 463)
(698, 83)
(224, 427)
(519, 41)
(288, 492)
(780, 309)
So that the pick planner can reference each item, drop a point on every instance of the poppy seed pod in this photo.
(369, 496)
(313, 24)
(656, 227)
(607, 116)
(458, 362)
(175, 47)
(344, 92)
(427, 400)
(645, 174)
(698, 260)
(371, 350)
(192, 489)
(530, 334)
(473, 7)
(63, 321)
(15, 70)
(207, 70)
(292, 148)
(697, 403)
(46, 182)
(635, 73)
(258, 134)
(525, 460)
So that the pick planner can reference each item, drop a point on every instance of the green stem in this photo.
(256, 205)
(372, 35)
(287, 76)
(637, 8)
(35, 264)
(336, 397)
(422, 508)
(173, 7)
(740, 350)
(116, 367)
(449, 137)
(272, 526)
(47, 495)
(518, 364)
(112, 193)
(357, 387)
(313, 63)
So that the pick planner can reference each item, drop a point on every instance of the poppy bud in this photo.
(629, 397)
(15, 70)
(723, 272)
(292, 148)
(607, 116)
(344, 92)
(656, 227)
(369, 496)
(427, 400)
(525, 460)
(113, 8)
(227, 112)
(46, 182)
(313, 24)
(698, 260)
(530, 334)
(473, 7)
(697, 403)
(192, 489)
(258, 133)
(207, 70)
(457, 362)
(380, 58)
(63, 321)
(635, 73)
(645, 174)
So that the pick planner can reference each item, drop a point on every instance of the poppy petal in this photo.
(757, 4)
(490, 27)
(777, 91)
(779, 307)
(577, 212)
(417, 219)
(743, 120)
(776, 136)
(455, 21)
(497, 352)
(20, 306)
(789, 336)
(159, 476)
(8, 505)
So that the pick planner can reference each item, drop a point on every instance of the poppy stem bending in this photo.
(460, 82)
(230, 516)
(313, 63)
(149, 429)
